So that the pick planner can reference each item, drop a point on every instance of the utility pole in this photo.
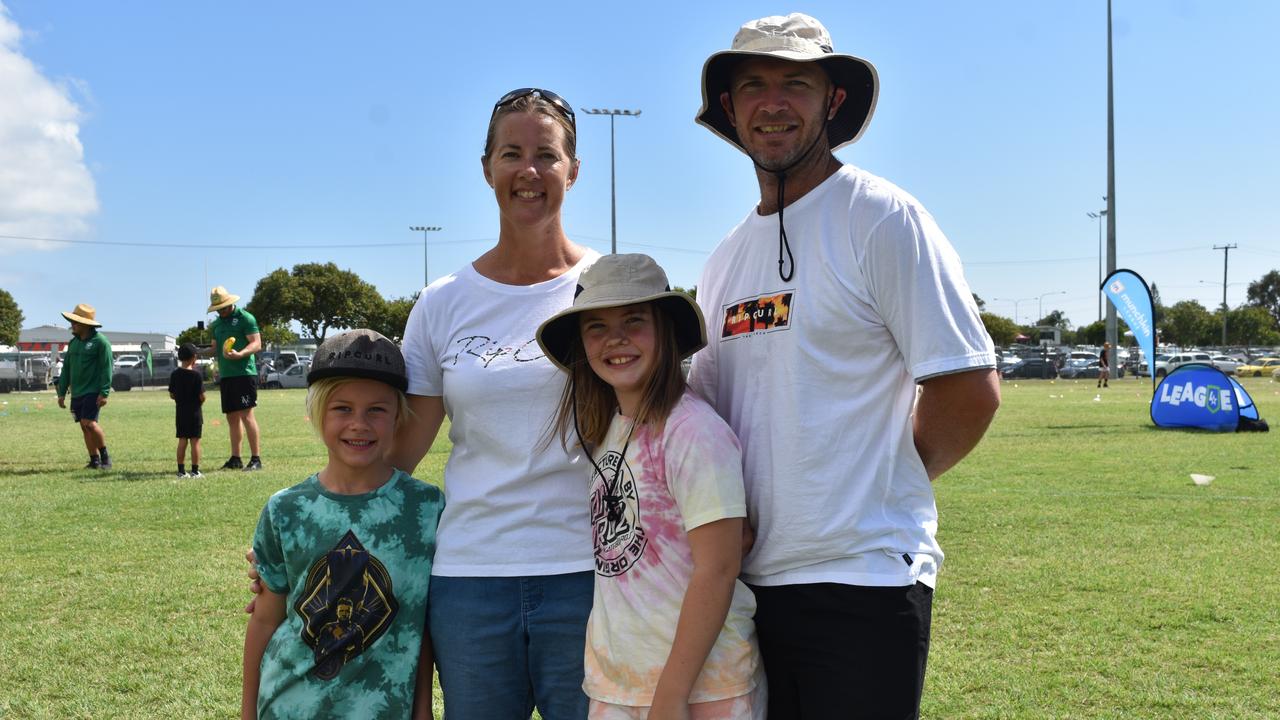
(1226, 252)
(613, 193)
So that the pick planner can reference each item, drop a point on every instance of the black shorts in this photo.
(85, 407)
(238, 393)
(189, 422)
(829, 649)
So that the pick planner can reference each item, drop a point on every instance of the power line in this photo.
(237, 247)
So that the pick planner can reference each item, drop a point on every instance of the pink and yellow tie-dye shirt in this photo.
(669, 483)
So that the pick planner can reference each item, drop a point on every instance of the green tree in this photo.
(393, 316)
(318, 296)
(1252, 325)
(1001, 329)
(1188, 323)
(10, 319)
(691, 292)
(277, 335)
(1265, 293)
(195, 335)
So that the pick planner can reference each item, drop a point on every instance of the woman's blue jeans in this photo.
(505, 645)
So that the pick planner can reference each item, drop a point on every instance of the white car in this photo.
(127, 361)
(1226, 364)
(294, 377)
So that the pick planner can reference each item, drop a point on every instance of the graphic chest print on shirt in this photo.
(770, 312)
(615, 516)
(346, 605)
(486, 349)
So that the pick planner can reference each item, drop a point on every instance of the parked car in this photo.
(294, 377)
(1258, 367)
(1176, 361)
(126, 361)
(125, 378)
(1081, 369)
(1226, 363)
(1031, 368)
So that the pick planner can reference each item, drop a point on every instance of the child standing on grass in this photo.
(671, 632)
(186, 388)
(345, 557)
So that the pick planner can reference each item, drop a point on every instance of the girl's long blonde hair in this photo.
(588, 403)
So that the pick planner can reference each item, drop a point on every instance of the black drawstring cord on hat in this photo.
(783, 243)
(612, 498)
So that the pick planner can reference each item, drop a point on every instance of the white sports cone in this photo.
(1199, 479)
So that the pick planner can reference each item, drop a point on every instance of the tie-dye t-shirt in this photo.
(355, 570)
(669, 483)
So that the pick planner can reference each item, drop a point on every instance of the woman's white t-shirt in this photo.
(514, 503)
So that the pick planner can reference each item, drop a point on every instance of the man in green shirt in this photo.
(87, 371)
(235, 341)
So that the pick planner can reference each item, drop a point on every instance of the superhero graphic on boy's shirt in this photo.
(346, 604)
(619, 539)
(762, 314)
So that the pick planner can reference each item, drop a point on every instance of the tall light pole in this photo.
(424, 229)
(1015, 302)
(1040, 302)
(1098, 216)
(613, 193)
(1112, 329)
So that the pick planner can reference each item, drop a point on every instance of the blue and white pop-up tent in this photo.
(1201, 396)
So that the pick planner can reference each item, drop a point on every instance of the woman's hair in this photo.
(594, 399)
(320, 391)
(533, 104)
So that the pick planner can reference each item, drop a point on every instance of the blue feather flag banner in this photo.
(1131, 296)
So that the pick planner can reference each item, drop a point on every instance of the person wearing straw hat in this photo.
(833, 300)
(87, 373)
(235, 342)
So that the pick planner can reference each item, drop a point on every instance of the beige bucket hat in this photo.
(83, 314)
(615, 281)
(220, 298)
(798, 38)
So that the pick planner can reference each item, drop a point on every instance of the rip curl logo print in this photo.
(615, 517)
(346, 604)
(763, 314)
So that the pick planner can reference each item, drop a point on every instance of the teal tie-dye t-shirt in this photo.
(355, 570)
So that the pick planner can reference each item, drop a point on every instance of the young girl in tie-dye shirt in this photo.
(670, 632)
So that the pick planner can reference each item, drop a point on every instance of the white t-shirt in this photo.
(513, 504)
(817, 376)
(668, 484)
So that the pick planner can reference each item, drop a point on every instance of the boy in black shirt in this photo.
(186, 387)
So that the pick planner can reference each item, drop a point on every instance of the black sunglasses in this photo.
(558, 102)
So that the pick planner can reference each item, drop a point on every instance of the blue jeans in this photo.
(504, 645)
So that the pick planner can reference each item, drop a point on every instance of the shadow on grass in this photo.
(106, 476)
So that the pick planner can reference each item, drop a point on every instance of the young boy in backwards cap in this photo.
(345, 557)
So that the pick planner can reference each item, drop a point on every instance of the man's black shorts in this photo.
(189, 422)
(238, 393)
(85, 407)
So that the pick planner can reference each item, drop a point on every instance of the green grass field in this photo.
(1086, 576)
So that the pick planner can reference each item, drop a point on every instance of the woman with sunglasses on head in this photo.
(512, 583)
(513, 577)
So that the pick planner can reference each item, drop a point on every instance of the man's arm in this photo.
(417, 432)
(951, 416)
(254, 346)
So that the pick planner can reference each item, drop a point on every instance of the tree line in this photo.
(1186, 323)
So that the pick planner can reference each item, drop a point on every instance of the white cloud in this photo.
(45, 188)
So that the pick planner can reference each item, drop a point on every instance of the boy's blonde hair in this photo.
(319, 392)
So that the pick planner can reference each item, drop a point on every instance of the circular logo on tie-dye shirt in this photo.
(619, 539)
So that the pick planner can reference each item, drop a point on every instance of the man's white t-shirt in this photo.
(817, 377)
(514, 503)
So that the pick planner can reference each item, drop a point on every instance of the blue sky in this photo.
(260, 135)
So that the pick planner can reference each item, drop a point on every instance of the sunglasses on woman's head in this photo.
(556, 101)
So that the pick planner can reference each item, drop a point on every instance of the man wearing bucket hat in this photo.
(87, 372)
(235, 341)
(830, 303)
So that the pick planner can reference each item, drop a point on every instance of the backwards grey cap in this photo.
(360, 353)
